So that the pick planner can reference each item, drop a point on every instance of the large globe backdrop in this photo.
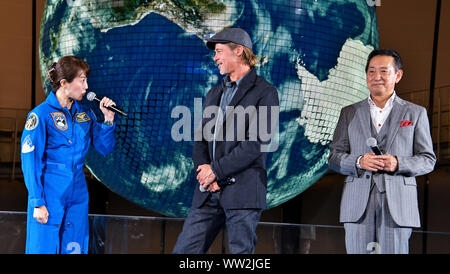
(149, 56)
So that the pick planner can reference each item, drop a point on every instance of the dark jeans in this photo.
(203, 224)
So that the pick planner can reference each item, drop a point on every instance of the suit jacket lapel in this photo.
(397, 113)
(363, 114)
(244, 86)
(214, 100)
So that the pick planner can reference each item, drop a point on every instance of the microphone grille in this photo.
(90, 96)
(371, 142)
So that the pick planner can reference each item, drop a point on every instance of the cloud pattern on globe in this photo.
(150, 57)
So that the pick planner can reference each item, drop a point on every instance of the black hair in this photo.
(386, 52)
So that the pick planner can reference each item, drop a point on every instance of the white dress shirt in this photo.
(378, 116)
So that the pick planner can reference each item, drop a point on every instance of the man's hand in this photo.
(371, 162)
(390, 162)
(41, 214)
(205, 175)
(213, 187)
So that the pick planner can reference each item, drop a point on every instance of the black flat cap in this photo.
(235, 35)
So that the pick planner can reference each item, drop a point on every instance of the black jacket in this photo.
(240, 164)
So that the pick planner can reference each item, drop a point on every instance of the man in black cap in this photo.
(231, 171)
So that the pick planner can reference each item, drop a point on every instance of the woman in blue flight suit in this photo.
(55, 141)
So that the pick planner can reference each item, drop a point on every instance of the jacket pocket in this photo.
(411, 181)
(349, 179)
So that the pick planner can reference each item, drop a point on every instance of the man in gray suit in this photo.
(379, 202)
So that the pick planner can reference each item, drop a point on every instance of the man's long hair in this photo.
(247, 55)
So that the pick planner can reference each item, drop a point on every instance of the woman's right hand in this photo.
(41, 214)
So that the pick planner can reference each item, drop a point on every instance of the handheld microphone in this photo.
(91, 96)
(372, 143)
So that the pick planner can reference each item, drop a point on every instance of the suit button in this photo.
(367, 176)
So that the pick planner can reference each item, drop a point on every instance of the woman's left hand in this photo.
(104, 103)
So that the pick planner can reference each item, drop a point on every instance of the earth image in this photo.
(150, 57)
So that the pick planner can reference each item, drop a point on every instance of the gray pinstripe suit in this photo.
(392, 203)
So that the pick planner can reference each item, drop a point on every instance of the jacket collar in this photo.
(53, 102)
(245, 83)
(227, 82)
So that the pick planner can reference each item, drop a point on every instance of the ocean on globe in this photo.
(150, 57)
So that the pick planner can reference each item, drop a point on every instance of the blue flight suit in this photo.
(54, 144)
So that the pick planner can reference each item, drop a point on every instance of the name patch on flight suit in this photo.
(82, 117)
(59, 119)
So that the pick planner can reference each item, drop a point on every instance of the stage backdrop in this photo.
(150, 57)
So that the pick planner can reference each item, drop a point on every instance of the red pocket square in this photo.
(406, 123)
